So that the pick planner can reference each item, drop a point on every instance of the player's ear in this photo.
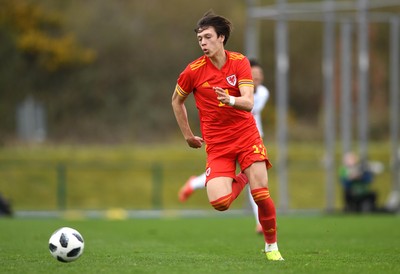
(222, 38)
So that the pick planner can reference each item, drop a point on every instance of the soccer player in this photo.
(222, 85)
(261, 96)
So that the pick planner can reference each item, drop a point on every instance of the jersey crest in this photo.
(231, 79)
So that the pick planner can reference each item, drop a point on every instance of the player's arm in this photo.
(243, 102)
(179, 108)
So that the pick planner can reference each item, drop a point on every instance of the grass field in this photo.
(214, 244)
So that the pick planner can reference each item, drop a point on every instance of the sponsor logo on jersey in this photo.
(205, 85)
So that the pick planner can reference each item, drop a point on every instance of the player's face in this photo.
(209, 42)
(258, 75)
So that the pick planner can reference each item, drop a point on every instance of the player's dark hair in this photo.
(221, 25)
(254, 63)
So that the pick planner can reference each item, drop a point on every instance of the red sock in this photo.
(223, 203)
(266, 213)
(239, 182)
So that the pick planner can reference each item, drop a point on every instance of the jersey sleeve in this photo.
(244, 73)
(184, 85)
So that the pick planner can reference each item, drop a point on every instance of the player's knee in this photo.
(222, 203)
(221, 207)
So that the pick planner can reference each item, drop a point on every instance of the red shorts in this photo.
(222, 157)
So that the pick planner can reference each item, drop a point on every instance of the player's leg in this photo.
(258, 180)
(254, 209)
(222, 191)
(223, 185)
(219, 192)
(253, 160)
(193, 183)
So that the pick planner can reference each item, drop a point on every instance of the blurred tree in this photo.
(38, 34)
(36, 53)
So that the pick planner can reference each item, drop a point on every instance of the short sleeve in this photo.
(244, 73)
(184, 84)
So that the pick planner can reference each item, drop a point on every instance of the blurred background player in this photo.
(261, 95)
(356, 176)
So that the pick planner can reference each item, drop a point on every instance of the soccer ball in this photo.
(66, 244)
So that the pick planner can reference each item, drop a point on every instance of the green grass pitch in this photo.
(212, 244)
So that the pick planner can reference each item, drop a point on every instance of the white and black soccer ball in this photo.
(66, 244)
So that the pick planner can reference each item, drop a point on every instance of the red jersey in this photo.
(219, 122)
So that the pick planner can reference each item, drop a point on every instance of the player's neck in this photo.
(219, 59)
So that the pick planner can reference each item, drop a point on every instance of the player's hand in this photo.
(222, 96)
(195, 142)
